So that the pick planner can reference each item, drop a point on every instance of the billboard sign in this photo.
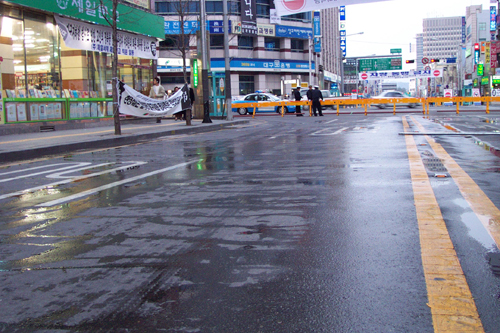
(380, 64)
(249, 17)
(290, 7)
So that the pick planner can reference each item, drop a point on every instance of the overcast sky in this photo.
(395, 23)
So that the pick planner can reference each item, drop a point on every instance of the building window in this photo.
(272, 44)
(482, 26)
(216, 41)
(214, 7)
(297, 45)
(263, 7)
(247, 85)
(175, 7)
(245, 42)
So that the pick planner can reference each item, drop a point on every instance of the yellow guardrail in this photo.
(368, 102)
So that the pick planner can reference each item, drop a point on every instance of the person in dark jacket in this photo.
(297, 97)
(316, 95)
(309, 93)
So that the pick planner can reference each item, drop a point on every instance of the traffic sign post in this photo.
(425, 61)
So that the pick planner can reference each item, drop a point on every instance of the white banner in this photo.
(92, 37)
(289, 7)
(401, 75)
(133, 103)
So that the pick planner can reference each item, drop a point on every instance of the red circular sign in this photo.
(364, 76)
(293, 5)
(1, 59)
(425, 60)
(436, 73)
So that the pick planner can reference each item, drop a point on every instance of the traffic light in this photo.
(410, 61)
(434, 60)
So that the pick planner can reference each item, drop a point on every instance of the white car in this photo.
(392, 94)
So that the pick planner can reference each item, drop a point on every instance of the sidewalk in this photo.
(18, 147)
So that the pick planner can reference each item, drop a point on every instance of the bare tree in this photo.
(181, 42)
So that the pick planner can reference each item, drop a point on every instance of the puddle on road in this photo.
(476, 229)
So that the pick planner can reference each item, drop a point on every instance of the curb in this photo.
(33, 153)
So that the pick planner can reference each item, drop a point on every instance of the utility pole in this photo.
(204, 65)
(227, 62)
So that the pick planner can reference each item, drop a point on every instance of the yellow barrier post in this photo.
(394, 110)
(338, 108)
(366, 109)
(254, 110)
(282, 109)
(487, 106)
(310, 109)
(458, 103)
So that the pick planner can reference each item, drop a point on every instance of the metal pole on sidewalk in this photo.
(227, 62)
(204, 65)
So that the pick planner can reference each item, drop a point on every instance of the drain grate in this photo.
(47, 128)
(495, 263)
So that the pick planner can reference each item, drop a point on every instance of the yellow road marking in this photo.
(485, 209)
(452, 306)
(79, 134)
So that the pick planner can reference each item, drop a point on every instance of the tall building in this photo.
(477, 32)
(420, 51)
(442, 37)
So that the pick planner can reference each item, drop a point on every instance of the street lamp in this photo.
(341, 58)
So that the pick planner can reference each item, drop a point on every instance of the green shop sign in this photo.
(485, 80)
(129, 19)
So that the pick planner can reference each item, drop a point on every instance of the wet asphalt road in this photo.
(283, 225)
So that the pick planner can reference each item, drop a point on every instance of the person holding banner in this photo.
(157, 92)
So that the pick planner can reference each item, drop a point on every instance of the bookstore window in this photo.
(36, 56)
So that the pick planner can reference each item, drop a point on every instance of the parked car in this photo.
(392, 94)
(258, 97)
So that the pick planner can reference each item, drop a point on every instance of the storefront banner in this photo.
(140, 3)
(133, 103)
(290, 7)
(401, 75)
(91, 37)
(97, 11)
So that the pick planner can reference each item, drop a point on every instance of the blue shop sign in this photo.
(293, 32)
(262, 64)
(191, 27)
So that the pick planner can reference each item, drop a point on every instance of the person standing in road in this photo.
(316, 104)
(297, 97)
(157, 92)
(309, 93)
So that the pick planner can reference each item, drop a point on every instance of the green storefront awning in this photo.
(130, 19)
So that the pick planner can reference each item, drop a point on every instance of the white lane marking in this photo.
(58, 174)
(327, 129)
(75, 164)
(331, 121)
(62, 182)
(108, 186)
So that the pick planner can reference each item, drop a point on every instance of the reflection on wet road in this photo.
(281, 225)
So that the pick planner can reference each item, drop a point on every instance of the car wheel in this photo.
(242, 111)
(411, 105)
(278, 110)
(381, 106)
